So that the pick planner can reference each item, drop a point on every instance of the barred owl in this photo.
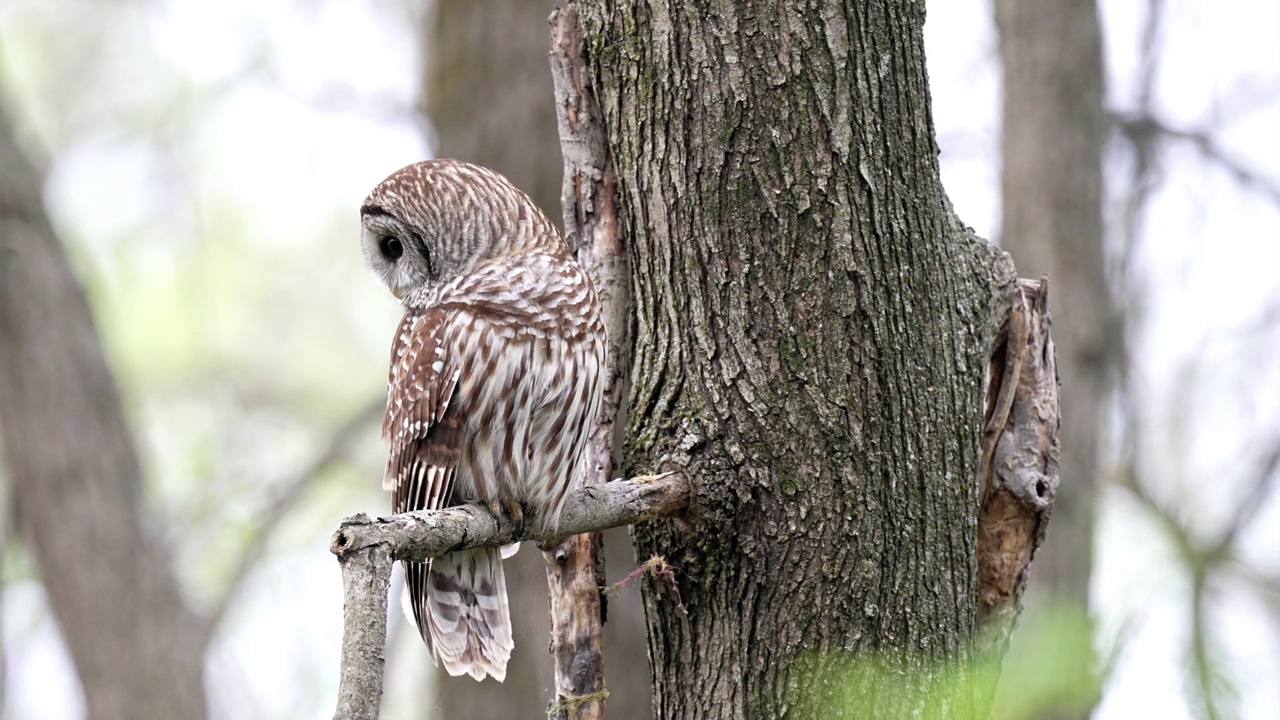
(494, 381)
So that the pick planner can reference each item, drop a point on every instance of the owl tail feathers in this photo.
(460, 605)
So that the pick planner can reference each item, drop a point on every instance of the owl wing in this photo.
(459, 600)
(423, 436)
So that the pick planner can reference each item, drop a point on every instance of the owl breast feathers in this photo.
(494, 381)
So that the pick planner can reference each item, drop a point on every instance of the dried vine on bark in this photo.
(1019, 471)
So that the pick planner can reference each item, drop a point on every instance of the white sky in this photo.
(303, 144)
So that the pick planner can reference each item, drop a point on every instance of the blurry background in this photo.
(202, 165)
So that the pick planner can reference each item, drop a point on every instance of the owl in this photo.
(494, 381)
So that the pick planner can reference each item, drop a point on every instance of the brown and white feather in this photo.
(494, 382)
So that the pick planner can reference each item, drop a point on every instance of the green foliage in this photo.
(1049, 672)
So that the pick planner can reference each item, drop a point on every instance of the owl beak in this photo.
(396, 292)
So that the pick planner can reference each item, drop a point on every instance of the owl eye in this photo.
(391, 248)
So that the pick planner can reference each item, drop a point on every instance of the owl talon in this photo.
(510, 510)
(515, 511)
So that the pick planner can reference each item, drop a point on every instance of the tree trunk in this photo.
(811, 333)
(77, 487)
(1054, 129)
(488, 92)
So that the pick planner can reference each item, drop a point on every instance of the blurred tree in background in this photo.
(204, 166)
(77, 487)
(1143, 308)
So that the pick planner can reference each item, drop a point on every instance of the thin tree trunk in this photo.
(811, 333)
(488, 92)
(77, 488)
(1054, 128)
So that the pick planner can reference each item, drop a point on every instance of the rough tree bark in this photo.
(1054, 128)
(488, 91)
(77, 490)
(811, 332)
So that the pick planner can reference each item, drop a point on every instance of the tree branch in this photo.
(1144, 130)
(366, 549)
(366, 582)
(1206, 558)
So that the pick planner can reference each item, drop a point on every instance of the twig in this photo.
(658, 568)
(1253, 501)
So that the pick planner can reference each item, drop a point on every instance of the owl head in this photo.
(435, 220)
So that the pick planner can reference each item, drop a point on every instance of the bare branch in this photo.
(366, 581)
(366, 549)
(423, 534)
(1204, 559)
(1249, 505)
(1143, 130)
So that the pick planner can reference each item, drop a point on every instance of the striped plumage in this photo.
(494, 381)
